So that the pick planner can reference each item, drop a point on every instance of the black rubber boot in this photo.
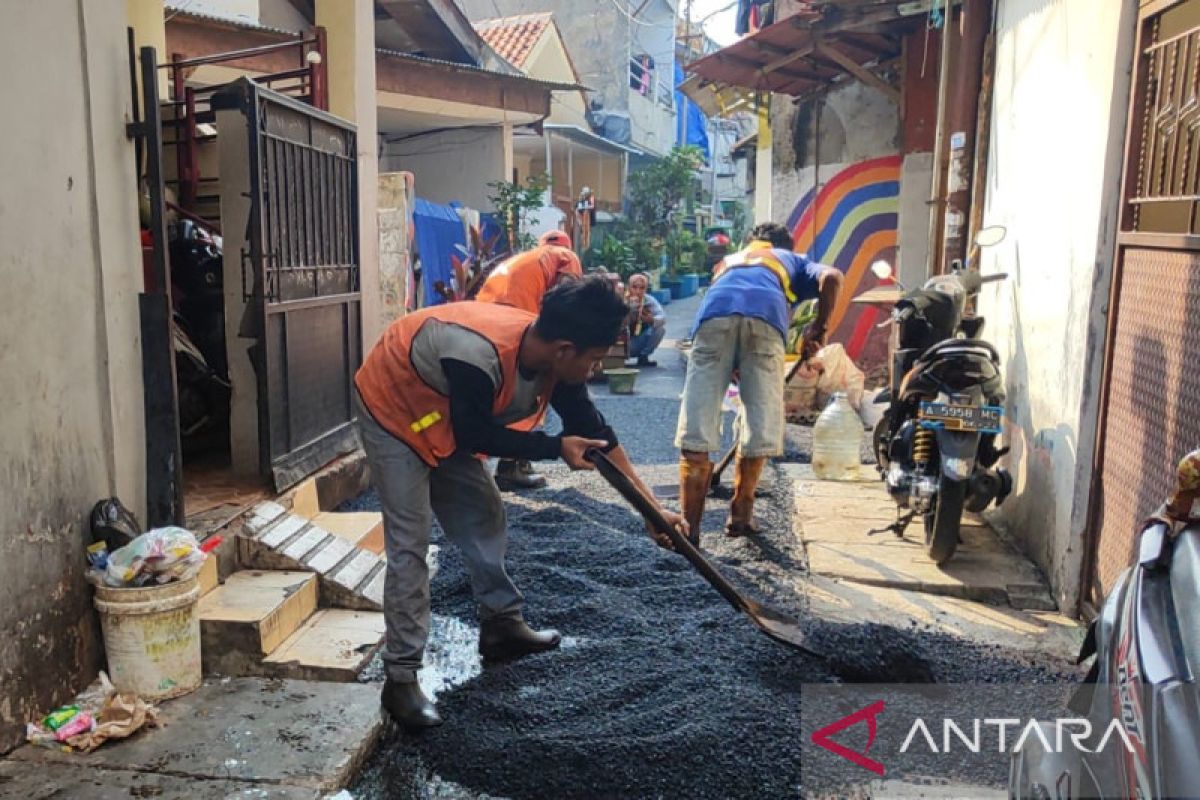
(408, 706)
(517, 476)
(506, 638)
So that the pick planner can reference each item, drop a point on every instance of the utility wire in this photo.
(627, 13)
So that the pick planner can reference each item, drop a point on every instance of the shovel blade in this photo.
(780, 627)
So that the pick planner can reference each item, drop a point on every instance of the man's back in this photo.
(757, 291)
(523, 279)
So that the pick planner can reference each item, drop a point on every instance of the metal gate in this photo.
(301, 279)
(1149, 413)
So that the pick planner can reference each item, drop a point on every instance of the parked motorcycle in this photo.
(1147, 646)
(198, 288)
(936, 443)
(201, 372)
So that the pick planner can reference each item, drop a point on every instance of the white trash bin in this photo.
(152, 638)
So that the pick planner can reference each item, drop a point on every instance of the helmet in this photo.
(556, 238)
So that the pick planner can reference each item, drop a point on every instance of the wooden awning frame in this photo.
(807, 53)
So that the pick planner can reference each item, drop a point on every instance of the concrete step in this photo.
(351, 573)
(361, 528)
(350, 577)
(333, 645)
(250, 615)
(209, 578)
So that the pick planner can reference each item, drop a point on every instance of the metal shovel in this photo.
(778, 626)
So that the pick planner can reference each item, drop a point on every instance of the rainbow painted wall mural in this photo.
(850, 224)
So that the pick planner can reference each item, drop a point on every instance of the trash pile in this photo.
(123, 557)
(830, 371)
(98, 714)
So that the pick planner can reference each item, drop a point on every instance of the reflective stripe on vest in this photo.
(758, 254)
(430, 419)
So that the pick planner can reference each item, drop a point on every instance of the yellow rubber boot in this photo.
(746, 472)
(695, 470)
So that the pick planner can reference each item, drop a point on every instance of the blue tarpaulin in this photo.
(437, 230)
(695, 132)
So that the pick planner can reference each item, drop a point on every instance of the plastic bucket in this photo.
(673, 286)
(663, 296)
(620, 381)
(152, 638)
(689, 284)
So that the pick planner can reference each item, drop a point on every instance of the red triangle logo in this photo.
(822, 738)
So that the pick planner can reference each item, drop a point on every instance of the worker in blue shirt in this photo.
(741, 330)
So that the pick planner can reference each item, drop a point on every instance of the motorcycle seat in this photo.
(980, 347)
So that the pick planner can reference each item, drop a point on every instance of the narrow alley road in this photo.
(660, 689)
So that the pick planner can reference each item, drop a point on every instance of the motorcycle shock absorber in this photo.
(923, 446)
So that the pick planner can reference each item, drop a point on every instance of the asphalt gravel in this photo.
(665, 691)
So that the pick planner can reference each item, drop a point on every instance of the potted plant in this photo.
(686, 251)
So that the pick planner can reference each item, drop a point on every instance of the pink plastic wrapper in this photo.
(82, 723)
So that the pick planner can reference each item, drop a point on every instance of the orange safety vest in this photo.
(410, 409)
(523, 280)
(758, 254)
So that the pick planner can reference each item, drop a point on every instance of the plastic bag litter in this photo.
(100, 713)
(830, 370)
(157, 556)
(839, 374)
(114, 524)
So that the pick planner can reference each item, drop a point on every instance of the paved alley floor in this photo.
(661, 689)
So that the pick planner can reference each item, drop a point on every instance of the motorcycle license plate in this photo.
(984, 419)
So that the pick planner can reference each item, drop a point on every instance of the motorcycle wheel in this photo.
(942, 523)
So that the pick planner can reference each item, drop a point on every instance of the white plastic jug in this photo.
(837, 441)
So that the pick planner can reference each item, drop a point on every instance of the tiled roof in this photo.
(514, 37)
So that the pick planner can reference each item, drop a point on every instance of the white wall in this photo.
(652, 124)
(451, 165)
(282, 14)
(72, 430)
(1053, 179)
(916, 187)
(856, 123)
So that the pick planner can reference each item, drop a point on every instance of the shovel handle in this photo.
(651, 513)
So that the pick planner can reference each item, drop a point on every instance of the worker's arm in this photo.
(829, 282)
(476, 430)
(581, 418)
(579, 415)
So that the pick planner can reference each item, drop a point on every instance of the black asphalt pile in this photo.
(665, 690)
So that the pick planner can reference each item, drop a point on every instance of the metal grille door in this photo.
(301, 277)
(1150, 413)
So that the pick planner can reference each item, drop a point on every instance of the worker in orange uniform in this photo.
(448, 382)
(521, 281)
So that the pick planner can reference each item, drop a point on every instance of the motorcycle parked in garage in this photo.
(936, 443)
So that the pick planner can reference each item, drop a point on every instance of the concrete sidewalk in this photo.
(987, 592)
(239, 737)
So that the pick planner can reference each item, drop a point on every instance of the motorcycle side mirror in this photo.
(991, 235)
(882, 270)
